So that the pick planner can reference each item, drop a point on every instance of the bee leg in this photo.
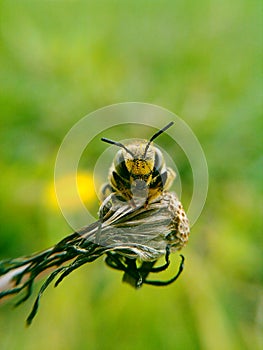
(166, 283)
(146, 203)
(105, 191)
(167, 261)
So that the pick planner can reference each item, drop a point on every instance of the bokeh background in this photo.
(61, 60)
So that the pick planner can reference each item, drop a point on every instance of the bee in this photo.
(138, 172)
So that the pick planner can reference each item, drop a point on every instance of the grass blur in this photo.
(61, 60)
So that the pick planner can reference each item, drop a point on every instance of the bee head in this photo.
(137, 162)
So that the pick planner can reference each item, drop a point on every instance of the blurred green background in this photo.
(61, 60)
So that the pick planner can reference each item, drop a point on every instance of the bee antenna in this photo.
(158, 133)
(117, 144)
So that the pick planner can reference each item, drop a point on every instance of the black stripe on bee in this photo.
(159, 180)
(120, 184)
(120, 166)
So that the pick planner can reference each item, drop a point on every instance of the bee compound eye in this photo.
(122, 170)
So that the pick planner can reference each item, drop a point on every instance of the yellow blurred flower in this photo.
(68, 195)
